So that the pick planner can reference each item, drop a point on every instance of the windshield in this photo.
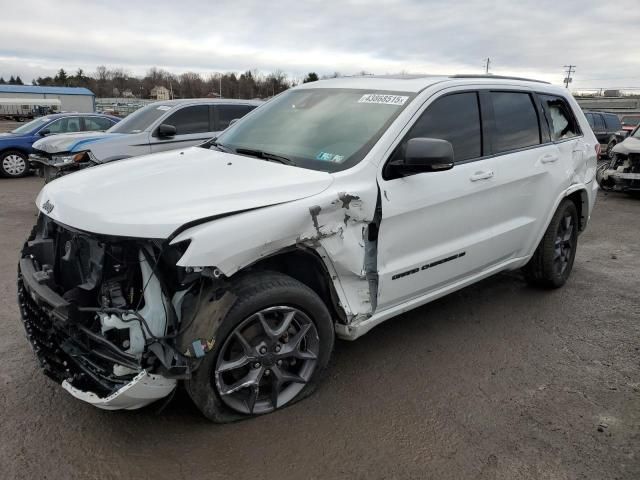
(632, 121)
(32, 125)
(141, 119)
(322, 129)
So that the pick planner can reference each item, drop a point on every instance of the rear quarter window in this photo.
(562, 122)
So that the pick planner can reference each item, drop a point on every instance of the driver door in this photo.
(437, 227)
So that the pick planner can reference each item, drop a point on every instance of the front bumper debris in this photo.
(69, 297)
(144, 389)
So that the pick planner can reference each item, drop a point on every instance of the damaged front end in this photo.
(622, 172)
(103, 314)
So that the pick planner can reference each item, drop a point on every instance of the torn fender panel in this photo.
(334, 223)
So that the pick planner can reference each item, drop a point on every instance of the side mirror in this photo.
(423, 155)
(44, 133)
(166, 131)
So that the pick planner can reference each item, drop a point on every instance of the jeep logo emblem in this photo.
(47, 206)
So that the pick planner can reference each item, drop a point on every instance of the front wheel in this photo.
(13, 164)
(271, 349)
(551, 264)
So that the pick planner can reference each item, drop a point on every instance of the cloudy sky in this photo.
(522, 37)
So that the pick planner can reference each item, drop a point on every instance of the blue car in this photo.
(15, 146)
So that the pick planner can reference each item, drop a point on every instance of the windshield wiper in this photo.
(216, 145)
(265, 156)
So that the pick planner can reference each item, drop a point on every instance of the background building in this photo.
(72, 99)
(160, 93)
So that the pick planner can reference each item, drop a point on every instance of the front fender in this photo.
(332, 223)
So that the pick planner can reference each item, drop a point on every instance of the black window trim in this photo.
(486, 123)
(162, 119)
(580, 133)
(416, 117)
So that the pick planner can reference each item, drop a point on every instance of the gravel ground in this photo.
(7, 125)
(497, 381)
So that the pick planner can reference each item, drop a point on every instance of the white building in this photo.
(160, 93)
(72, 99)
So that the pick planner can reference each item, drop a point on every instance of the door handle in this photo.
(481, 176)
(549, 158)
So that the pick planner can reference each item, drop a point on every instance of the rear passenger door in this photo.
(192, 125)
(528, 169)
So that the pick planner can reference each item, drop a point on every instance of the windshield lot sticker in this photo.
(383, 99)
(329, 157)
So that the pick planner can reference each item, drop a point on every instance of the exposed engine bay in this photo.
(105, 315)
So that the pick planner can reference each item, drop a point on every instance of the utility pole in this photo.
(569, 70)
(220, 85)
(487, 64)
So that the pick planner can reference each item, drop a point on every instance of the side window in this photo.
(598, 122)
(455, 118)
(561, 121)
(96, 123)
(65, 125)
(589, 119)
(194, 119)
(515, 120)
(612, 122)
(226, 113)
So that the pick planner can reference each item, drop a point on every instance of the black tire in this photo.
(13, 164)
(256, 291)
(551, 264)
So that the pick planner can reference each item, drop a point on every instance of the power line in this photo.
(569, 70)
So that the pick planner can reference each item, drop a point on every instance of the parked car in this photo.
(607, 128)
(332, 208)
(630, 122)
(159, 126)
(16, 146)
(622, 172)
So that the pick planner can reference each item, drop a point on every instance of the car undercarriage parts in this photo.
(621, 173)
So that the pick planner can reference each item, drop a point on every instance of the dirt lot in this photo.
(7, 126)
(497, 381)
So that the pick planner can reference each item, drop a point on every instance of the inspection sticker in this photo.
(383, 99)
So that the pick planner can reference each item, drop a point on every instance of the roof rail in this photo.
(499, 77)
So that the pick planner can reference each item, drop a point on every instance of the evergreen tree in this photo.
(12, 81)
(2, 81)
(19, 80)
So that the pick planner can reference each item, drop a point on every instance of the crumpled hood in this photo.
(151, 196)
(629, 145)
(71, 142)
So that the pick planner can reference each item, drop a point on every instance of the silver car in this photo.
(159, 126)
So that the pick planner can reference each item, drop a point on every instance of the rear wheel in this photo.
(13, 164)
(271, 349)
(552, 261)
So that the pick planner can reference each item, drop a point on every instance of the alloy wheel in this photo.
(563, 245)
(267, 360)
(14, 165)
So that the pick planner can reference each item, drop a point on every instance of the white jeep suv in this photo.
(333, 207)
